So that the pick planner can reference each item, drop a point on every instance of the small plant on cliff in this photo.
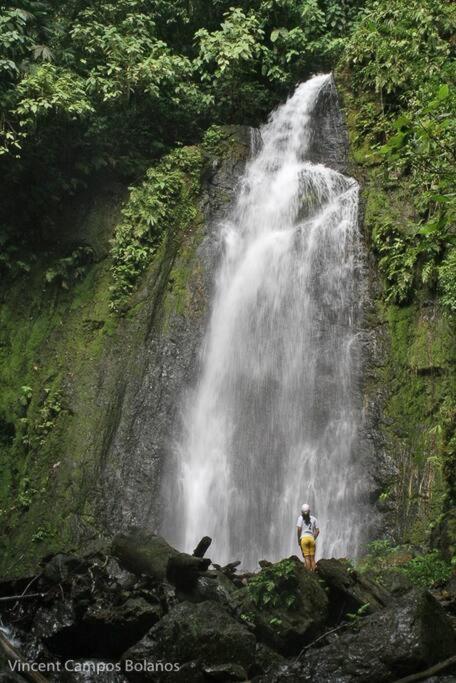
(274, 586)
(38, 430)
(163, 205)
(65, 271)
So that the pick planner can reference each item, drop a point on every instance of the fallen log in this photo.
(202, 547)
(141, 552)
(14, 655)
(27, 596)
(423, 675)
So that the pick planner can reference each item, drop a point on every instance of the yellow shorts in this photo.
(307, 545)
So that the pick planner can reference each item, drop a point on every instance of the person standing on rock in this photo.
(307, 535)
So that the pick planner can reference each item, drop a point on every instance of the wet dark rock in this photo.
(348, 591)
(395, 582)
(329, 140)
(122, 577)
(214, 586)
(266, 658)
(403, 639)
(213, 630)
(52, 626)
(287, 629)
(204, 632)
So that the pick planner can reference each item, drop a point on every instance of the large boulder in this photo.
(405, 638)
(348, 590)
(112, 629)
(285, 605)
(197, 637)
(104, 630)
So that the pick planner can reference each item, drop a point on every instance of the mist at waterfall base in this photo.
(274, 418)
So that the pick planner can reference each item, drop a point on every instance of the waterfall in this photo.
(274, 418)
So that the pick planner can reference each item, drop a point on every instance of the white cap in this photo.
(305, 508)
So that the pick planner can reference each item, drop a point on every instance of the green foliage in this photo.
(400, 53)
(36, 432)
(21, 30)
(427, 570)
(213, 138)
(87, 87)
(26, 395)
(275, 586)
(360, 612)
(40, 535)
(447, 280)
(162, 206)
(395, 44)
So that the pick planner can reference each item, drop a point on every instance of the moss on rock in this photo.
(412, 379)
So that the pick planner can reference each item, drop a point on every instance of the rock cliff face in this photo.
(409, 371)
(152, 378)
(329, 144)
(90, 399)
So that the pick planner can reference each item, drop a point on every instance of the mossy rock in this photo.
(296, 612)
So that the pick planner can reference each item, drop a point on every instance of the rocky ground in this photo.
(139, 610)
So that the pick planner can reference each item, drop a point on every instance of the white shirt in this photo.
(307, 528)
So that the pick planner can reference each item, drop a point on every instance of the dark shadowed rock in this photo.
(348, 590)
(183, 570)
(202, 634)
(390, 644)
(112, 629)
(61, 568)
(103, 631)
(266, 658)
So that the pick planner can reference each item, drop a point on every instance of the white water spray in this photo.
(274, 418)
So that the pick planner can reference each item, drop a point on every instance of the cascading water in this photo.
(273, 421)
